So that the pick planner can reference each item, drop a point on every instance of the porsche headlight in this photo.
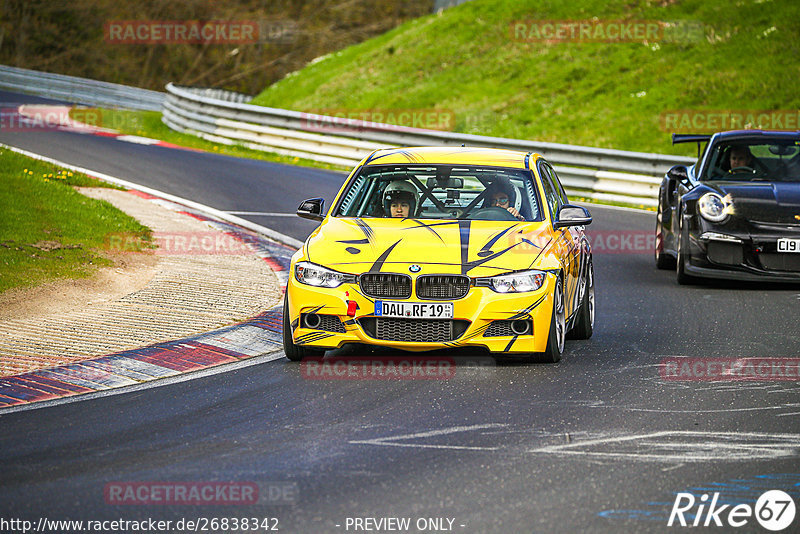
(520, 282)
(713, 207)
(318, 276)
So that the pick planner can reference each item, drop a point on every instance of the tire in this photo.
(557, 334)
(681, 276)
(584, 324)
(294, 352)
(663, 261)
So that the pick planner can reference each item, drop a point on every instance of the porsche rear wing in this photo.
(691, 138)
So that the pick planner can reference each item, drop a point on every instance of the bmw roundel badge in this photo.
(415, 268)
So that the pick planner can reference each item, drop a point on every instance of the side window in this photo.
(549, 190)
(558, 187)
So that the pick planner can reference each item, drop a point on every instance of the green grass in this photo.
(609, 94)
(47, 229)
(148, 124)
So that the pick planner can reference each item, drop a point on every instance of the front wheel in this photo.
(584, 324)
(663, 261)
(681, 276)
(557, 334)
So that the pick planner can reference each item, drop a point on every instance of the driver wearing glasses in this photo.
(500, 198)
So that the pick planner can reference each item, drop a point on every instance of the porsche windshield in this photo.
(442, 192)
(755, 161)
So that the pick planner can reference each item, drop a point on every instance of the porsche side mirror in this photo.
(678, 173)
(569, 215)
(311, 209)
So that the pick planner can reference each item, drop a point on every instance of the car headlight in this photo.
(318, 276)
(713, 207)
(520, 282)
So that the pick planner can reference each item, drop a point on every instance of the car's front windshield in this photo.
(441, 192)
(770, 161)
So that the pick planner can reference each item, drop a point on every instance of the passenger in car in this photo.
(400, 199)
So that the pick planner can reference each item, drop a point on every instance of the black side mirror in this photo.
(311, 209)
(569, 215)
(678, 173)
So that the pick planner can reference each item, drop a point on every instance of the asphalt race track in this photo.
(600, 442)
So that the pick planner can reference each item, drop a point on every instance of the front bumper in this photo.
(741, 256)
(473, 317)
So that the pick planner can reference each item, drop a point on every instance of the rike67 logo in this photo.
(774, 510)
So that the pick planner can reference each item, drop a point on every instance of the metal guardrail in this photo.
(600, 174)
(226, 117)
(79, 90)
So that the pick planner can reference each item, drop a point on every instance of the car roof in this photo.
(495, 157)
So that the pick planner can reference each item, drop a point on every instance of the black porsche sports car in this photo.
(734, 214)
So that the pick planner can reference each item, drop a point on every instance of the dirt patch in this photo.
(130, 273)
(145, 298)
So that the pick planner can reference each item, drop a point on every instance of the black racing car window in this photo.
(775, 160)
(716, 166)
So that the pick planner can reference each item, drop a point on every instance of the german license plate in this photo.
(414, 310)
(788, 245)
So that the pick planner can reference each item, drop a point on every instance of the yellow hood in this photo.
(474, 248)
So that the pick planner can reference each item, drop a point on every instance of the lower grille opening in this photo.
(318, 321)
(506, 328)
(414, 330)
(725, 253)
(780, 262)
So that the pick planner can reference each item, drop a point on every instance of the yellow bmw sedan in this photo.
(429, 248)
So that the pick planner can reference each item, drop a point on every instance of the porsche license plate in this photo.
(414, 310)
(788, 245)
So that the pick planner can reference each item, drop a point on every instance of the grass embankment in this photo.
(473, 61)
(47, 229)
(469, 60)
